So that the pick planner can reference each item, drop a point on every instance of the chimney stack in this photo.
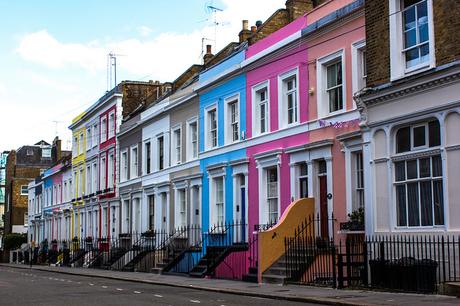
(245, 33)
(208, 56)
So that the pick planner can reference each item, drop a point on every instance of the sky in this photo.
(53, 53)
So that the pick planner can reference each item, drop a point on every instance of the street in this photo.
(31, 287)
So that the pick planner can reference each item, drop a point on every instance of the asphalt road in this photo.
(31, 287)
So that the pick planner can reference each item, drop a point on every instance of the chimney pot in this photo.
(208, 49)
(245, 25)
(253, 29)
(258, 23)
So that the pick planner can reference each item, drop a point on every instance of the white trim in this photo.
(228, 132)
(322, 100)
(111, 134)
(174, 159)
(357, 49)
(397, 62)
(188, 139)
(207, 132)
(282, 104)
(131, 165)
(255, 104)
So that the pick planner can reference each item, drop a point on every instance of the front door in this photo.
(243, 213)
(323, 206)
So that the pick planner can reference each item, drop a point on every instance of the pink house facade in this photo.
(302, 124)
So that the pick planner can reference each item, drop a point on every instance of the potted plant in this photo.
(355, 221)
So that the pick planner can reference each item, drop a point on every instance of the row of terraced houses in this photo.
(342, 114)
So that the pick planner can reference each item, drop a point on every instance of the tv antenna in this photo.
(56, 122)
(112, 70)
(214, 10)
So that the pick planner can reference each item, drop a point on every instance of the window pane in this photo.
(426, 204)
(424, 165)
(409, 18)
(419, 136)
(303, 187)
(438, 203)
(437, 166)
(303, 169)
(413, 202)
(434, 133)
(410, 38)
(400, 171)
(403, 140)
(412, 169)
(401, 205)
(412, 57)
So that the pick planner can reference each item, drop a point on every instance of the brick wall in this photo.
(446, 30)
(135, 93)
(377, 42)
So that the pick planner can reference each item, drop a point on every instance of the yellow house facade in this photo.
(78, 173)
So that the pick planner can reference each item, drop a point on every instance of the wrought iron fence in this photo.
(409, 263)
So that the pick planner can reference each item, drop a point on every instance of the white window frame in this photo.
(146, 162)
(94, 176)
(412, 138)
(103, 129)
(163, 152)
(234, 99)
(215, 214)
(134, 163)
(357, 67)
(74, 147)
(256, 126)
(89, 178)
(263, 164)
(80, 182)
(26, 192)
(321, 79)
(208, 138)
(282, 101)
(111, 125)
(111, 170)
(182, 207)
(81, 147)
(88, 138)
(191, 146)
(102, 171)
(397, 57)
(267, 195)
(95, 140)
(176, 148)
(124, 169)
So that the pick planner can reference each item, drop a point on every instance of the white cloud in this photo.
(162, 57)
(144, 30)
(70, 75)
(41, 47)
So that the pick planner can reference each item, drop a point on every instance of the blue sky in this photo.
(53, 53)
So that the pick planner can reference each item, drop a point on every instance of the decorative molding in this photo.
(381, 160)
(373, 96)
(416, 155)
(453, 148)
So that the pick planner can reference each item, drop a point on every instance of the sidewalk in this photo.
(326, 296)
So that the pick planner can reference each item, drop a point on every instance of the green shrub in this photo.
(14, 241)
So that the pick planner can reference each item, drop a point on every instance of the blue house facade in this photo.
(222, 153)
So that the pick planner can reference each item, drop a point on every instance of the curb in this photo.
(313, 300)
